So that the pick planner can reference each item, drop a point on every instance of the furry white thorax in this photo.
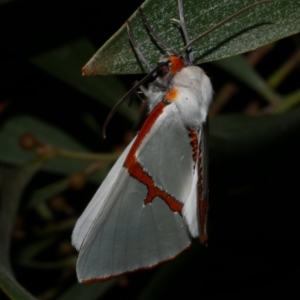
(194, 94)
(154, 94)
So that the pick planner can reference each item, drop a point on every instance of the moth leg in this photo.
(136, 94)
(157, 38)
(145, 92)
(136, 48)
(182, 25)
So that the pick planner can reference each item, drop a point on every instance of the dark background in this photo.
(254, 212)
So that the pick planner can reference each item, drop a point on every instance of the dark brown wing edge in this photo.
(202, 186)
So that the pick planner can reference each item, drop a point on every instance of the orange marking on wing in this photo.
(171, 95)
(155, 113)
(176, 64)
(135, 169)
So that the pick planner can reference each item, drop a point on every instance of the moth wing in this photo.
(203, 185)
(90, 213)
(196, 207)
(127, 235)
(168, 158)
(190, 209)
(205, 160)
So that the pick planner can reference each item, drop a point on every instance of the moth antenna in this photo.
(132, 90)
(239, 12)
(182, 25)
(136, 48)
(154, 35)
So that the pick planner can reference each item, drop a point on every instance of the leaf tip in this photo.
(93, 67)
(85, 71)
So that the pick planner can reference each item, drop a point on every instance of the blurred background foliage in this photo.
(53, 158)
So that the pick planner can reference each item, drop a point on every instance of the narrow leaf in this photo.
(238, 67)
(91, 292)
(12, 183)
(66, 62)
(11, 152)
(259, 26)
(41, 195)
(234, 137)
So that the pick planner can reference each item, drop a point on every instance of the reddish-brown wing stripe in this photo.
(194, 143)
(202, 203)
(135, 169)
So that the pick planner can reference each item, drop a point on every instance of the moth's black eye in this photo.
(163, 70)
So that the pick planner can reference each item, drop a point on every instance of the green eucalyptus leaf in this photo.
(33, 249)
(289, 101)
(11, 152)
(12, 183)
(44, 212)
(58, 228)
(70, 261)
(66, 62)
(12, 288)
(239, 68)
(91, 291)
(234, 137)
(260, 25)
(41, 195)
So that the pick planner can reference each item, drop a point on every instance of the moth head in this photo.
(170, 64)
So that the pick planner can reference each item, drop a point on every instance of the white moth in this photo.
(155, 198)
